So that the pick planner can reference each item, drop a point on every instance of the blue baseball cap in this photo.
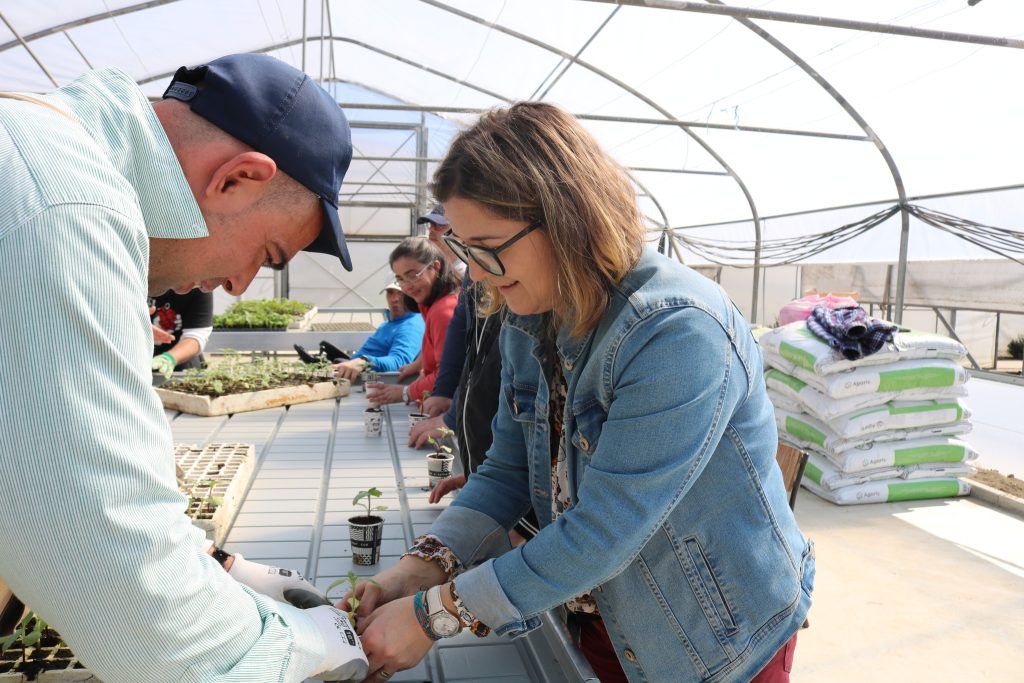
(436, 216)
(279, 111)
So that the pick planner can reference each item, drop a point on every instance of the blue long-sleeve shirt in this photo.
(395, 343)
(453, 357)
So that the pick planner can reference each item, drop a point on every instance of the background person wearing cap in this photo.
(105, 199)
(396, 342)
(437, 226)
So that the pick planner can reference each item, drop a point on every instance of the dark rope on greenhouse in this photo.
(1001, 241)
(784, 251)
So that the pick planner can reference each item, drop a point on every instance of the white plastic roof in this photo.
(947, 110)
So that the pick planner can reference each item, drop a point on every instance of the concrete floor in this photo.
(920, 591)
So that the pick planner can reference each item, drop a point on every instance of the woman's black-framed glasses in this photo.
(487, 257)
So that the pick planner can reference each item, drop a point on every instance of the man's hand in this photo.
(283, 585)
(345, 660)
(436, 405)
(164, 364)
(425, 429)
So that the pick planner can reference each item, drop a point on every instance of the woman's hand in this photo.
(436, 405)
(380, 393)
(425, 429)
(350, 369)
(446, 485)
(411, 574)
(393, 639)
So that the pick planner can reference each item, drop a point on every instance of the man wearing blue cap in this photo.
(105, 198)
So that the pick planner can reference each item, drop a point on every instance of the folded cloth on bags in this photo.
(824, 407)
(802, 348)
(891, 490)
(850, 330)
(810, 432)
(824, 473)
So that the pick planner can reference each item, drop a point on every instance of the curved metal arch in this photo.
(74, 23)
(408, 62)
(862, 122)
(646, 100)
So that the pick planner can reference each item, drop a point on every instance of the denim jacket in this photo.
(679, 522)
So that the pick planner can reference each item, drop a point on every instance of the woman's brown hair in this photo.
(535, 161)
(422, 251)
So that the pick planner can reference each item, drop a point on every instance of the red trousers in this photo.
(598, 650)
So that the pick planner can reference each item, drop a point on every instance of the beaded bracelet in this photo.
(466, 617)
(422, 616)
(430, 548)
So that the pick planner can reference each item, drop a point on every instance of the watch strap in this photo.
(435, 606)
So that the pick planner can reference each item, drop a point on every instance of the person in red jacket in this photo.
(424, 274)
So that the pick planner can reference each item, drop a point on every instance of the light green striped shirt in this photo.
(92, 530)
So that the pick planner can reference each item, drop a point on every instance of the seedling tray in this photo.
(251, 400)
(229, 467)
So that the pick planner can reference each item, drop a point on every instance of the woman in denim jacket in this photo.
(633, 411)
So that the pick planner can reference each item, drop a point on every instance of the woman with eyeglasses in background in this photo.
(425, 275)
(633, 417)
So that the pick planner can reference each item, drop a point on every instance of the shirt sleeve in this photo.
(93, 528)
(402, 346)
(454, 354)
(438, 318)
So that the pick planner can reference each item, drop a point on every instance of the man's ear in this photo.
(241, 180)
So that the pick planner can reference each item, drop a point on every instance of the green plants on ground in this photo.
(274, 314)
(1016, 347)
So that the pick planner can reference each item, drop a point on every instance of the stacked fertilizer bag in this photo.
(879, 410)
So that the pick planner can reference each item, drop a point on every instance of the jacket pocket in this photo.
(706, 587)
(522, 402)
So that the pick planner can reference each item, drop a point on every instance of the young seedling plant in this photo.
(421, 401)
(28, 632)
(440, 449)
(368, 496)
(353, 602)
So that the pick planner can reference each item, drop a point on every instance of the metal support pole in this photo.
(995, 351)
(29, 51)
(901, 276)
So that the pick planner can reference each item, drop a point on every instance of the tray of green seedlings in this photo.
(265, 314)
(237, 385)
(36, 652)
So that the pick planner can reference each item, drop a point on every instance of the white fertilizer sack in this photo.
(898, 415)
(891, 379)
(810, 432)
(798, 345)
(879, 454)
(823, 472)
(825, 407)
(891, 490)
(904, 375)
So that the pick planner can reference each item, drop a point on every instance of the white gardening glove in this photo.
(345, 660)
(283, 585)
(164, 364)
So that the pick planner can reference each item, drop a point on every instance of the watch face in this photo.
(444, 624)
